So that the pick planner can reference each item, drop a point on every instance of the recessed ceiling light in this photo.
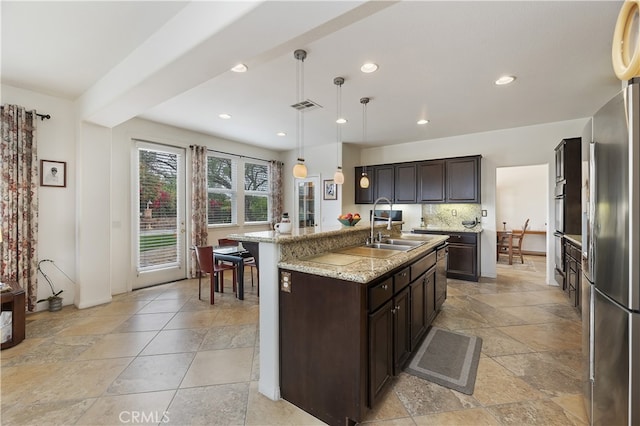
(281, 134)
(369, 67)
(341, 120)
(423, 121)
(239, 68)
(224, 116)
(505, 79)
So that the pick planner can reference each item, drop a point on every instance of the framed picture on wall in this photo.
(53, 173)
(330, 190)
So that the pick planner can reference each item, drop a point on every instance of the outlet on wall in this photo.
(454, 212)
(484, 213)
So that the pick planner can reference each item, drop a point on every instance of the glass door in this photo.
(159, 215)
(307, 202)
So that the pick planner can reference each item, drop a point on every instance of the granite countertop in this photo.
(575, 239)
(309, 233)
(368, 265)
(457, 228)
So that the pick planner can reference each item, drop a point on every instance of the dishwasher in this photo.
(442, 252)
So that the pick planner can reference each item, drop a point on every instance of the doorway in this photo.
(159, 214)
(522, 193)
(307, 202)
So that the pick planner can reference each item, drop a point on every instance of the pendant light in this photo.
(364, 180)
(300, 170)
(338, 177)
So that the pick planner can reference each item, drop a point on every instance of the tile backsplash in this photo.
(442, 215)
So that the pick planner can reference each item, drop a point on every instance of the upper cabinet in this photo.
(449, 180)
(463, 180)
(383, 182)
(405, 183)
(431, 181)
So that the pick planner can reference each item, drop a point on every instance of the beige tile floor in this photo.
(161, 356)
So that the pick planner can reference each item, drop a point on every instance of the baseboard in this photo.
(534, 253)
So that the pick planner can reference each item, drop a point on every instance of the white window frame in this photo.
(237, 191)
(232, 192)
(266, 193)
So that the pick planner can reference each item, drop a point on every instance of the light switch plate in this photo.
(484, 213)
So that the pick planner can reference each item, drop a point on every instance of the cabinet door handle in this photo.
(404, 274)
(385, 287)
(397, 308)
(393, 311)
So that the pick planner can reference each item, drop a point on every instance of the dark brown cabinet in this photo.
(463, 259)
(568, 191)
(383, 182)
(341, 341)
(441, 277)
(463, 180)
(380, 350)
(401, 330)
(449, 180)
(573, 270)
(405, 183)
(418, 309)
(431, 181)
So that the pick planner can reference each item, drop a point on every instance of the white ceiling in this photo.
(169, 62)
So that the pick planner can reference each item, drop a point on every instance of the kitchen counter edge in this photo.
(365, 270)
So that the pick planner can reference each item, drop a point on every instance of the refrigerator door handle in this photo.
(589, 254)
(592, 327)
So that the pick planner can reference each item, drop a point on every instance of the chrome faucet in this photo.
(374, 217)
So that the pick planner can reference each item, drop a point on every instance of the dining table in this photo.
(509, 236)
(236, 255)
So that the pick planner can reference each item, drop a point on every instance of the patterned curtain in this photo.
(276, 190)
(19, 200)
(199, 233)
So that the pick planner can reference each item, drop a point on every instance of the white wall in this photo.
(57, 206)
(521, 194)
(321, 161)
(502, 148)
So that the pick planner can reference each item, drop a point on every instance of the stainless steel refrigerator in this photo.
(611, 262)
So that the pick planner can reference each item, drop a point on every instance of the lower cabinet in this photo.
(464, 254)
(341, 342)
(418, 308)
(573, 271)
(441, 276)
(380, 350)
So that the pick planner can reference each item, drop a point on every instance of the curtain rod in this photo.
(42, 116)
(235, 155)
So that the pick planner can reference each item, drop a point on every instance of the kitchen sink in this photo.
(413, 243)
(388, 246)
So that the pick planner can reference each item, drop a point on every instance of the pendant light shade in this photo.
(300, 170)
(364, 180)
(338, 177)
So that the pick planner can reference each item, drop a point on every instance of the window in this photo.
(221, 183)
(256, 192)
(228, 197)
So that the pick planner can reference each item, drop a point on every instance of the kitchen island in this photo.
(327, 307)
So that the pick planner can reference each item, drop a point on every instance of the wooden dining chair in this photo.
(207, 264)
(516, 243)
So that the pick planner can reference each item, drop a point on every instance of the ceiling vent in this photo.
(306, 105)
